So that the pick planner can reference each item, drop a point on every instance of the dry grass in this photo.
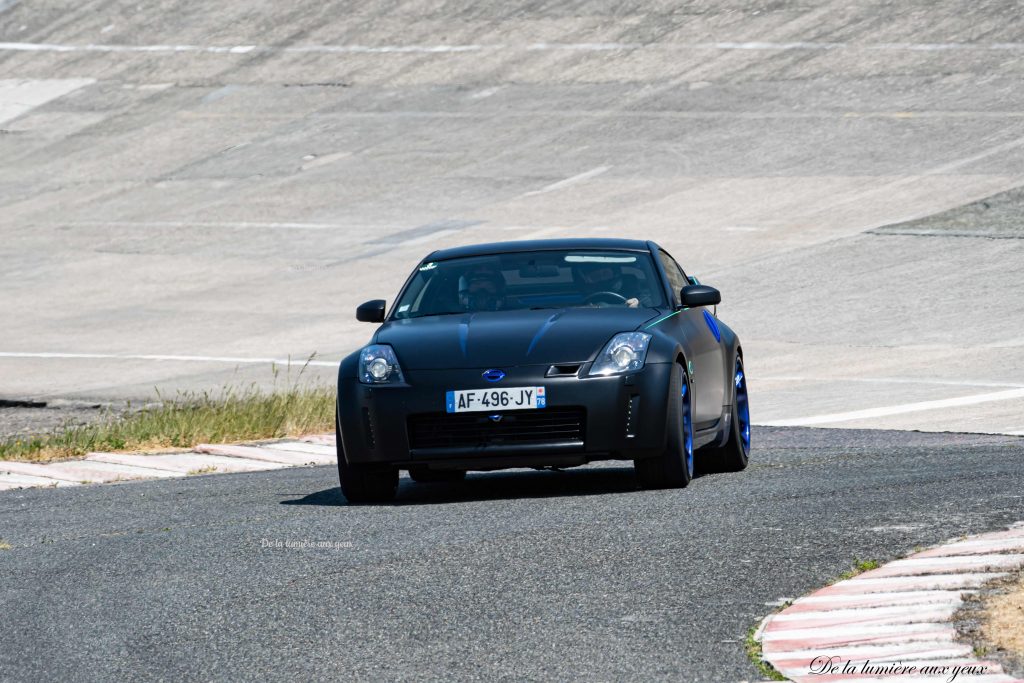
(859, 567)
(187, 420)
(1004, 620)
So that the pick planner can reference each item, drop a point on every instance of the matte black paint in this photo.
(442, 353)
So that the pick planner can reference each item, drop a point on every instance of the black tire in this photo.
(364, 483)
(670, 469)
(735, 454)
(424, 475)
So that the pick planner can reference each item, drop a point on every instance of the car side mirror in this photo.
(695, 296)
(371, 311)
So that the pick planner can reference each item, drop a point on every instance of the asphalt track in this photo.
(519, 575)
(187, 194)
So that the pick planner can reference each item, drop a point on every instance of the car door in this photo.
(697, 330)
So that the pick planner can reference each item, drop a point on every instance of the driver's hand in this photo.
(633, 303)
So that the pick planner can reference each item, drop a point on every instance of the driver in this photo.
(482, 288)
(605, 277)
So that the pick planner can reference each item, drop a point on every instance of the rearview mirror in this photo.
(371, 311)
(695, 296)
(533, 270)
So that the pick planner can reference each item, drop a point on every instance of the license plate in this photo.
(510, 398)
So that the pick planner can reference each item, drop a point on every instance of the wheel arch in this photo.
(732, 350)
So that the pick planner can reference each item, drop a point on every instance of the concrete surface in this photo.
(106, 468)
(187, 193)
(507, 576)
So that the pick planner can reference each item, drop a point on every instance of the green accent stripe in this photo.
(664, 318)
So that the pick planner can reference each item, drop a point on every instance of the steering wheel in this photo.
(615, 298)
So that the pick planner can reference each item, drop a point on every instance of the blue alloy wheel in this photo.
(742, 407)
(687, 424)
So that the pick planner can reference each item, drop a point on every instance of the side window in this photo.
(675, 275)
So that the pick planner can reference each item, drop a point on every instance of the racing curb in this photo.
(899, 615)
(108, 468)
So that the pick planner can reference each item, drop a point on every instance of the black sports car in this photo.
(547, 353)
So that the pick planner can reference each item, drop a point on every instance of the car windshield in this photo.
(533, 279)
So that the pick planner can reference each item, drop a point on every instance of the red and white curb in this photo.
(879, 624)
(105, 468)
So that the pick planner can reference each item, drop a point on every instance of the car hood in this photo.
(507, 338)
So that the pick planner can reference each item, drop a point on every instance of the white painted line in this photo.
(586, 175)
(154, 357)
(897, 409)
(231, 225)
(882, 653)
(385, 49)
(866, 633)
(486, 92)
(19, 96)
(324, 160)
(888, 380)
(893, 598)
(865, 618)
(975, 547)
(242, 49)
(923, 598)
(946, 564)
(531, 47)
(868, 587)
(895, 613)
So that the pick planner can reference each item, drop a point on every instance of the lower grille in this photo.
(559, 425)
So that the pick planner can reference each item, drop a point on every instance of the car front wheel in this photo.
(364, 483)
(674, 467)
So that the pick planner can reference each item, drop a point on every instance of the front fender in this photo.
(348, 367)
(665, 348)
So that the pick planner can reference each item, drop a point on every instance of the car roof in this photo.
(539, 245)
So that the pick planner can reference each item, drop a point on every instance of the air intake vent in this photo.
(560, 425)
(565, 370)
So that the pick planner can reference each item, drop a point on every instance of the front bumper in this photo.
(586, 418)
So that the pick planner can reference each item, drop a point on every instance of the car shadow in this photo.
(499, 485)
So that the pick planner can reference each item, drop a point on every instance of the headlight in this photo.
(378, 365)
(625, 352)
